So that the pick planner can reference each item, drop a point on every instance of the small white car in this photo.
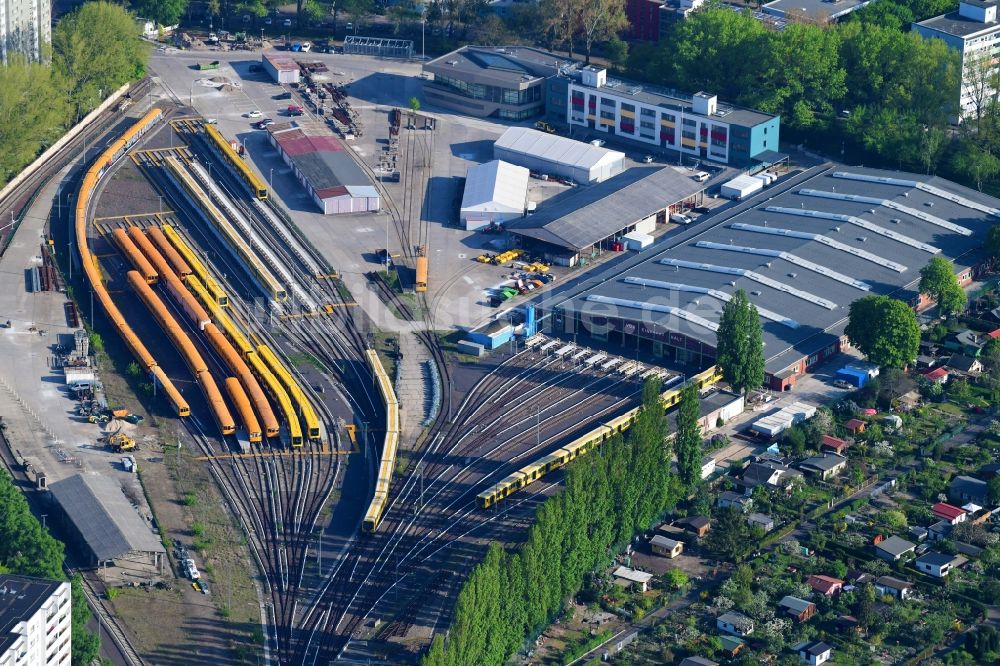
(254, 114)
(647, 159)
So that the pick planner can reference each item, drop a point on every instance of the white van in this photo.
(701, 176)
(680, 218)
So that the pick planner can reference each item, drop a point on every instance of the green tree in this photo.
(740, 345)
(22, 85)
(990, 355)
(885, 330)
(688, 444)
(599, 20)
(894, 519)
(164, 12)
(993, 490)
(731, 538)
(616, 51)
(676, 579)
(975, 162)
(938, 280)
(96, 49)
(795, 439)
(414, 104)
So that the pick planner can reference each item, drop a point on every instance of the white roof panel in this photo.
(495, 187)
(556, 148)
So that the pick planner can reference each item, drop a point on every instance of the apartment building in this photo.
(35, 622)
(518, 83)
(25, 28)
(972, 31)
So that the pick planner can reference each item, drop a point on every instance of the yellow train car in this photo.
(243, 170)
(376, 509)
(197, 267)
(260, 272)
(586, 443)
(295, 391)
(277, 391)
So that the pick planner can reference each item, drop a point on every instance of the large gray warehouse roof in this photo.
(578, 219)
(804, 251)
(554, 148)
(104, 517)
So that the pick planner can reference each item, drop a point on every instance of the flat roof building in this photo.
(803, 251)
(106, 525)
(518, 82)
(325, 167)
(558, 156)
(584, 222)
(281, 68)
(495, 192)
(820, 12)
(35, 621)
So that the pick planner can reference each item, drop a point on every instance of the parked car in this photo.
(680, 218)
(843, 383)
(253, 114)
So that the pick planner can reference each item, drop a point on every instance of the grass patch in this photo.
(387, 347)
(305, 358)
(217, 539)
(391, 278)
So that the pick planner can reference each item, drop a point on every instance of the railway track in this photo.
(435, 508)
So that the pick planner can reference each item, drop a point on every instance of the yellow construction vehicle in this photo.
(120, 442)
(545, 127)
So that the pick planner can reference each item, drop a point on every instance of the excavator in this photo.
(120, 443)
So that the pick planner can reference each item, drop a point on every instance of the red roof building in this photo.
(825, 585)
(937, 375)
(834, 444)
(994, 334)
(952, 514)
(855, 426)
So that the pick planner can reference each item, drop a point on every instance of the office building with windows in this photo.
(35, 622)
(518, 83)
(25, 28)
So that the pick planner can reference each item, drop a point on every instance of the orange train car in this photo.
(195, 362)
(169, 252)
(175, 397)
(223, 417)
(135, 257)
(91, 270)
(147, 249)
(239, 368)
(189, 304)
(239, 398)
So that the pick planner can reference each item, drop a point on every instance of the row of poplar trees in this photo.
(623, 487)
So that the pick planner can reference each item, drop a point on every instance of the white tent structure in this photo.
(494, 192)
(558, 156)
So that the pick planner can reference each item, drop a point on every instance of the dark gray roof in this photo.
(512, 65)
(955, 24)
(20, 599)
(579, 218)
(104, 517)
(896, 546)
(967, 485)
(719, 242)
(795, 604)
(822, 463)
(325, 170)
(730, 496)
(815, 648)
(735, 619)
(935, 559)
(894, 583)
(961, 362)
